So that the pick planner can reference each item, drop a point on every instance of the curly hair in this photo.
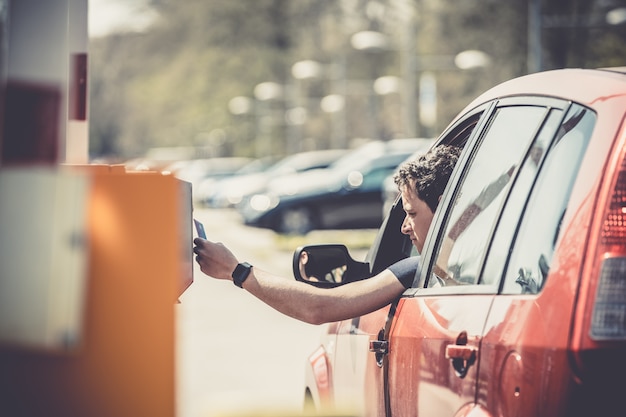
(429, 173)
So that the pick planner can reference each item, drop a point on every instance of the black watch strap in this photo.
(240, 274)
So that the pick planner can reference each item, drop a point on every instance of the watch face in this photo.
(240, 273)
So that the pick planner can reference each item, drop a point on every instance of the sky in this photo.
(111, 16)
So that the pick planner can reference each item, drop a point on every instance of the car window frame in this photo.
(534, 193)
(454, 135)
(467, 156)
(390, 245)
(514, 189)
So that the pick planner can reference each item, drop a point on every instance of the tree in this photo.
(170, 85)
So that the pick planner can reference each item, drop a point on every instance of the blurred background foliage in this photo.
(171, 85)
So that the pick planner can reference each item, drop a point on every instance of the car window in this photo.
(541, 224)
(391, 245)
(479, 195)
(500, 244)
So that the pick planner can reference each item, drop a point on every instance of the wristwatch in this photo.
(240, 274)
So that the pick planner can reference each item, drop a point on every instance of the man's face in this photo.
(418, 217)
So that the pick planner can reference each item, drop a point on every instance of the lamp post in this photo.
(429, 67)
(616, 16)
(240, 105)
(335, 104)
(373, 43)
(266, 93)
(307, 71)
(297, 116)
(390, 89)
(242, 108)
(419, 110)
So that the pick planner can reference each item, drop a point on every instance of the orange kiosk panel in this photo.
(140, 256)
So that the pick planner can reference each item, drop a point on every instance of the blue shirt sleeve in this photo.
(405, 270)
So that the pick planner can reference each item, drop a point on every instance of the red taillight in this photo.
(608, 321)
(614, 228)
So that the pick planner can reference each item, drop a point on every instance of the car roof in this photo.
(584, 86)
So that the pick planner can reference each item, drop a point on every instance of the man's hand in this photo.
(215, 259)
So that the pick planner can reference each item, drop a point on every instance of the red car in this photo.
(532, 231)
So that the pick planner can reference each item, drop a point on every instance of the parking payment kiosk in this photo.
(134, 241)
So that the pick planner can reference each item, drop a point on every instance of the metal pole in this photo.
(534, 58)
(409, 70)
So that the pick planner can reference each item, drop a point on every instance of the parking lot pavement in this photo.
(234, 353)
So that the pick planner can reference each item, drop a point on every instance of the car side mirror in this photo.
(327, 266)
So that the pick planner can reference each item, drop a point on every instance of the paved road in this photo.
(236, 354)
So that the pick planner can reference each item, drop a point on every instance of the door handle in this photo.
(461, 355)
(380, 347)
(466, 353)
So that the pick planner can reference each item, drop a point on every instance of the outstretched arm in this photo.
(299, 300)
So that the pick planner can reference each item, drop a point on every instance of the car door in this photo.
(356, 377)
(524, 369)
(435, 336)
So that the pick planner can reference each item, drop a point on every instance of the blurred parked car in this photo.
(518, 307)
(208, 186)
(196, 170)
(346, 195)
(230, 192)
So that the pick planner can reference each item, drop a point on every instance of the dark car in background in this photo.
(230, 192)
(345, 195)
(195, 171)
(207, 188)
(518, 307)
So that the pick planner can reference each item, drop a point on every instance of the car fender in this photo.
(318, 379)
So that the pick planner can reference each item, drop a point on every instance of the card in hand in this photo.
(200, 229)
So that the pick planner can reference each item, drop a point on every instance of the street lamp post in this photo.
(266, 93)
(390, 89)
(429, 67)
(242, 108)
(297, 116)
(333, 104)
(419, 110)
(371, 42)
